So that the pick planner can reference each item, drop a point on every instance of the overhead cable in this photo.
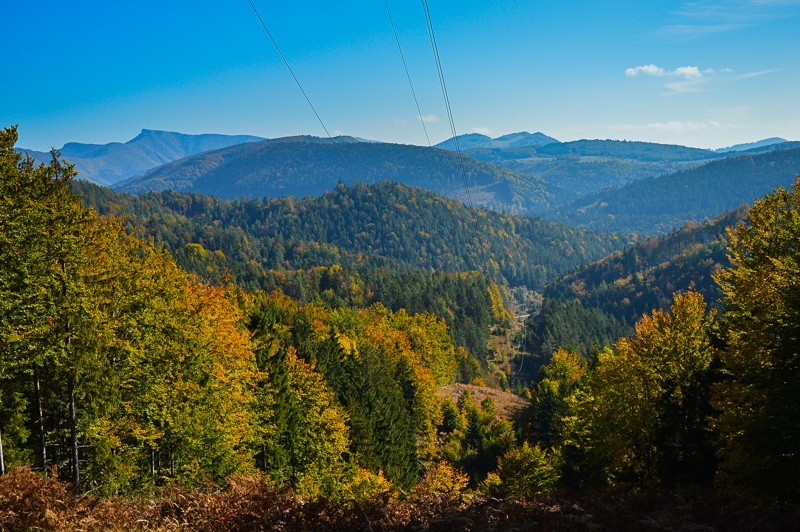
(414, 94)
(300, 86)
(438, 61)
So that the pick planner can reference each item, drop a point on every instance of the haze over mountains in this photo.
(658, 204)
(310, 166)
(512, 140)
(750, 145)
(110, 163)
(595, 184)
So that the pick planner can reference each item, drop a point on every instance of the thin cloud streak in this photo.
(430, 119)
(757, 73)
(706, 17)
(672, 126)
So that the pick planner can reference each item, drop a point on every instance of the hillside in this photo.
(587, 166)
(512, 140)
(508, 405)
(753, 145)
(692, 195)
(310, 166)
(107, 164)
(603, 300)
(384, 222)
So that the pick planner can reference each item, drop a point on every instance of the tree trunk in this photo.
(40, 421)
(71, 360)
(2, 458)
(73, 426)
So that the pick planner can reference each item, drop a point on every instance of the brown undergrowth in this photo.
(30, 501)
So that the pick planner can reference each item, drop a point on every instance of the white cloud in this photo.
(691, 78)
(685, 72)
(650, 70)
(430, 119)
(481, 130)
(689, 85)
(688, 72)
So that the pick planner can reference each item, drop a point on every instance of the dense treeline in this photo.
(698, 194)
(306, 271)
(395, 245)
(588, 166)
(694, 397)
(389, 220)
(120, 372)
(117, 367)
(600, 302)
(302, 166)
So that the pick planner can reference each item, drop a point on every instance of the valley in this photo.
(383, 334)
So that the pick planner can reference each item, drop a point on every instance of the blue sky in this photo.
(701, 73)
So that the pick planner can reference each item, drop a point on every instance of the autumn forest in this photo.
(175, 359)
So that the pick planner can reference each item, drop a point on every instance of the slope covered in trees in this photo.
(360, 245)
(127, 373)
(386, 220)
(121, 371)
(692, 195)
(587, 166)
(310, 166)
(600, 302)
(117, 366)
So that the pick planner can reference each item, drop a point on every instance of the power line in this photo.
(414, 94)
(438, 61)
(300, 86)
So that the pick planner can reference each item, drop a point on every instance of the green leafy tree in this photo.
(474, 436)
(553, 398)
(126, 366)
(759, 421)
(646, 402)
(525, 471)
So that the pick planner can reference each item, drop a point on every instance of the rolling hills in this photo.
(386, 221)
(512, 140)
(587, 166)
(107, 164)
(659, 204)
(310, 166)
(601, 301)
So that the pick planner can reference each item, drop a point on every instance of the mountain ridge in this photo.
(110, 163)
(694, 195)
(512, 140)
(745, 146)
(303, 166)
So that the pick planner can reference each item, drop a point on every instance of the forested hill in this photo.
(587, 166)
(603, 300)
(386, 220)
(309, 166)
(660, 204)
(512, 140)
(110, 163)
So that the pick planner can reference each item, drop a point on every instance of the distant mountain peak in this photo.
(750, 145)
(110, 163)
(520, 139)
(151, 133)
